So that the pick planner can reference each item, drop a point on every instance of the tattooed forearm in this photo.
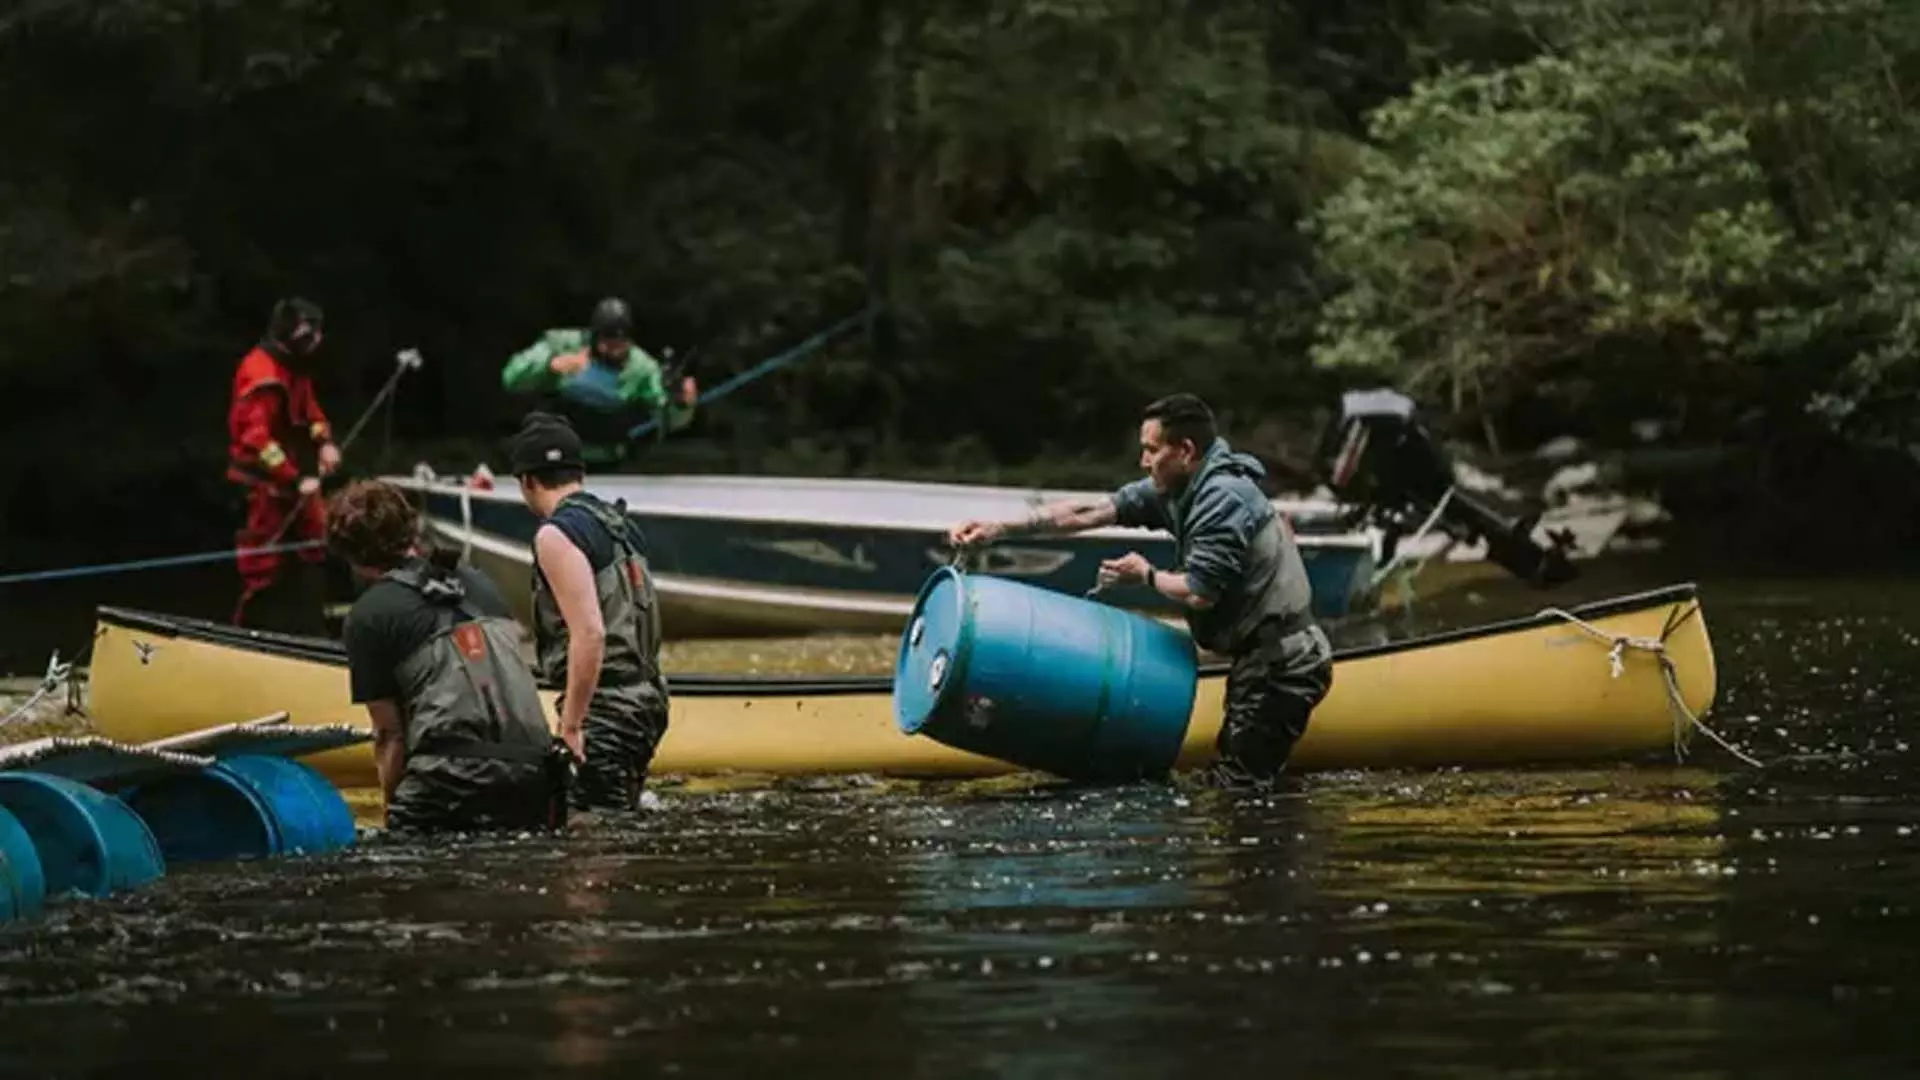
(1070, 515)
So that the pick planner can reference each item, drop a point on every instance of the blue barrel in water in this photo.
(246, 806)
(88, 841)
(1043, 680)
(23, 885)
(311, 814)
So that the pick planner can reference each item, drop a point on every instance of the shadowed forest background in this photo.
(1683, 232)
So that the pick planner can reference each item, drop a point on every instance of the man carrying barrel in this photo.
(1240, 582)
(459, 734)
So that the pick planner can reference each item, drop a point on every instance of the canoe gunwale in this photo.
(327, 651)
(638, 503)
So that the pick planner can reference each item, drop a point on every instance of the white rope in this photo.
(55, 678)
(1616, 662)
(1418, 535)
(466, 523)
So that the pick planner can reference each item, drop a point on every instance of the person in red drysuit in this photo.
(279, 446)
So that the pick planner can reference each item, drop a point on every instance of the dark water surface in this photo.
(1704, 919)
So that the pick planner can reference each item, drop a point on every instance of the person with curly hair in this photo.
(460, 737)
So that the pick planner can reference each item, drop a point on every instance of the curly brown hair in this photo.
(371, 524)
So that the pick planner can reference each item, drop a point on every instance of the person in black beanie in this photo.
(596, 619)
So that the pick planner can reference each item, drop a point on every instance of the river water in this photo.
(1698, 919)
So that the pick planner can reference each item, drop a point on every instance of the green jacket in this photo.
(527, 372)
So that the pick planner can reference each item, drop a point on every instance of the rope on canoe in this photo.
(466, 523)
(56, 677)
(1683, 716)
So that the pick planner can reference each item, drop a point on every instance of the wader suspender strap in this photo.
(625, 540)
(469, 643)
(626, 551)
(612, 519)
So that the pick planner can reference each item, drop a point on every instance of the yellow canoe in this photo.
(1539, 689)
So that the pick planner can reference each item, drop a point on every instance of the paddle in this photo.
(404, 361)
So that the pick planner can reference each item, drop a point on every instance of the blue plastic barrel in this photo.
(246, 806)
(596, 386)
(206, 816)
(310, 813)
(88, 841)
(23, 885)
(1043, 680)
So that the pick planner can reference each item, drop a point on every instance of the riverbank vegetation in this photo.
(1677, 231)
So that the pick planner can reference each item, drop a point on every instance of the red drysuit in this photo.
(275, 428)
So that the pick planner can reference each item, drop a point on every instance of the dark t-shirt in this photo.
(587, 534)
(578, 524)
(389, 621)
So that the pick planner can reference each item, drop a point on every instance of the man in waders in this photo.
(1240, 580)
(596, 624)
(279, 445)
(601, 381)
(460, 739)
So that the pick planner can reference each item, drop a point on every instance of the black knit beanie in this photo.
(544, 441)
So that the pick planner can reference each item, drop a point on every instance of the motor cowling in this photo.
(1381, 461)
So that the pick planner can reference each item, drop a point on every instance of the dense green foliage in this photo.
(1568, 218)
(1694, 213)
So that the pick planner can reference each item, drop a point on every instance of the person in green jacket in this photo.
(601, 380)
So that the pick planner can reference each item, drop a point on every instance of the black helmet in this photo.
(295, 325)
(611, 320)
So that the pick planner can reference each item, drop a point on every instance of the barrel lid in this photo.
(928, 663)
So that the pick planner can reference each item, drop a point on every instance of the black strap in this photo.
(623, 536)
(447, 595)
(519, 753)
(642, 679)
(612, 520)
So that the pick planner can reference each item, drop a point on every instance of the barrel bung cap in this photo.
(928, 666)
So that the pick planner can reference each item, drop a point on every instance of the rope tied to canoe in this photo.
(1683, 716)
(466, 522)
(56, 677)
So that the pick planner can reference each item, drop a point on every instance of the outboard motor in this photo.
(1381, 460)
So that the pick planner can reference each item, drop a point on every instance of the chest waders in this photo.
(471, 701)
(627, 716)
